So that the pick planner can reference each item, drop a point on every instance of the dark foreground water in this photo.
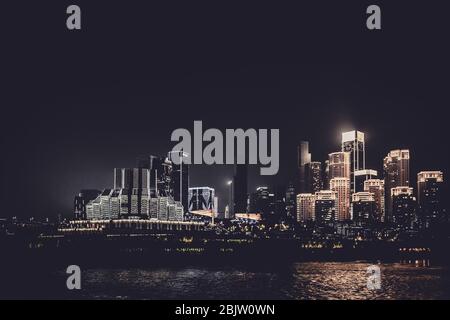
(306, 280)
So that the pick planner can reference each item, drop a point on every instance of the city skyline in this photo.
(65, 131)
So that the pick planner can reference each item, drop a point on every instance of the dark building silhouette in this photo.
(303, 158)
(180, 179)
(325, 207)
(81, 200)
(404, 207)
(239, 190)
(291, 201)
(363, 208)
(430, 199)
(313, 177)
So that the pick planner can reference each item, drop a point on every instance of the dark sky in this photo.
(76, 104)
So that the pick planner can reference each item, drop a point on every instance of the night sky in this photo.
(76, 104)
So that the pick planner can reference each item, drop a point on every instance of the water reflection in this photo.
(311, 280)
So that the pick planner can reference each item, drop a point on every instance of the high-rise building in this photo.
(304, 157)
(313, 177)
(163, 204)
(105, 205)
(342, 187)
(361, 176)
(201, 198)
(430, 198)
(353, 142)
(81, 200)
(338, 165)
(376, 187)
(180, 177)
(396, 174)
(403, 207)
(306, 206)
(290, 201)
(325, 207)
(363, 207)
(239, 190)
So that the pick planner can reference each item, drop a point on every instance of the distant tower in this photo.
(430, 198)
(304, 157)
(396, 174)
(353, 142)
(342, 187)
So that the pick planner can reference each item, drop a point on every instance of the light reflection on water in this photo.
(306, 280)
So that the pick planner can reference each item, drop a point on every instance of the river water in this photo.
(305, 280)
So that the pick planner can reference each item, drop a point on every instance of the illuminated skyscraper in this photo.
(338, 165)
(430, 198)
(396, 174)
(342, 187)
(363, 207)
(304, 157)
(306, 206)
(325, 207)
(376, 187)
(403, 207)
(353, 142)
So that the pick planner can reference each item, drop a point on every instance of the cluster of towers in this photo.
(345, 190)
(156, 189)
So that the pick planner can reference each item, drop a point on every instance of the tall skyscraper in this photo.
(239, 190)
(342, 187)
(325, 207)
(376, 187)
(396, 174)
(430, 198)
(313, 177)
(338, 165)
(306, 206)
(180, 178)
(403, 207)
(363, 207)
(304, 157)
(353, 142)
